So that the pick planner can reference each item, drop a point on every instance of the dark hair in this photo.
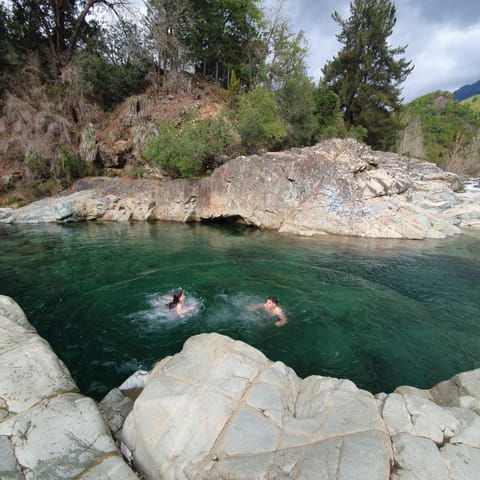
(176, 299)
(273, 299)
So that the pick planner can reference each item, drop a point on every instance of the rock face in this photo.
(337, 187)
(220, 409)
(47, 429)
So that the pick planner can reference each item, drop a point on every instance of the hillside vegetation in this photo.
(473, 103)
(444, 131)
(190, 84)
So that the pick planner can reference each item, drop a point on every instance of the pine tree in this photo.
(366, 74)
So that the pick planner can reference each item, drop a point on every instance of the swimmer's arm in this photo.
(282, 318)
(182, 310)
(257, 306)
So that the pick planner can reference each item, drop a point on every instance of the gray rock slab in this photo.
(462, 462)
(220, 409)
(112, 467)
(9, 467)
(418, 458)
(30, 373)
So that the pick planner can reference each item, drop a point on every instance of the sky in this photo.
(442, 39)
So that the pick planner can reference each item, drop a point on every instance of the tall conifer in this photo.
(365, 74)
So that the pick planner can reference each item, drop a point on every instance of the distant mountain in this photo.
(467, 91)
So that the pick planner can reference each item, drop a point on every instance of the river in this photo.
(381, 313)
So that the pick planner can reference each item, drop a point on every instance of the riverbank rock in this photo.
(220, 409)
(337, 187)
(47, 429)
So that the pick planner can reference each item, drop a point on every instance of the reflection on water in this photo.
(381, 313)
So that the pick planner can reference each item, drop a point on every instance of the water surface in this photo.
(382, 313)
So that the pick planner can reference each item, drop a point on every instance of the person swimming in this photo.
(273, 310)
(177, 303)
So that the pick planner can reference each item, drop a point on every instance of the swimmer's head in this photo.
(272, 299)
(177, 296)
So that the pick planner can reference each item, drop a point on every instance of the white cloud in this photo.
(442, 39)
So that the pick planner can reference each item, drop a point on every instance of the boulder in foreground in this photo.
(220, 409)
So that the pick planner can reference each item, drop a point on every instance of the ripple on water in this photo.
(377, 312)
(157, 314)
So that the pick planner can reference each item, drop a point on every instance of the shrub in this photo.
(109, 83)
(191, 147)
(52, 174)
(259, 121)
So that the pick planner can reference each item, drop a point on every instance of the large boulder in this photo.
(337, 187)
(47, 429)
(220, 409)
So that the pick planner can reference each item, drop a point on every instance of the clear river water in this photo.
(381, 313)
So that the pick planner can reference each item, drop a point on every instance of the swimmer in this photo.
(177, 303)
(273, 310)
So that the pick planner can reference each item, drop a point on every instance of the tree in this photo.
(366, 74)
(168, 22)
(328, 114)
(58, 26)
(260, 123)
(448, 131)
(8, 59)
(285, 74)
(116, 66)
(226, 37)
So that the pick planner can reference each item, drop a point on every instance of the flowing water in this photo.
(382, 313)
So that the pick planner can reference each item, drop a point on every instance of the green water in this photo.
(381, 313)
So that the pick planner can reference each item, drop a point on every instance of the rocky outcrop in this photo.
(220, 409)
(47, 429)
(337, 187)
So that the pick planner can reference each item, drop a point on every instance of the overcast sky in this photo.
(442, 38)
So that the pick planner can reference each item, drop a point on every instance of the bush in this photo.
(188, 149)
(110, 84)
(260, 122)
(53, 174)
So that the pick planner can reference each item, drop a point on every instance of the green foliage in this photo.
(296, 99)
(188, 149)
(260, 122)
(328, 114)
(287, 52)
(52, 30)
(227, 33)
(6, 47)
(108, 83)
(449, 127)
(69, 166)
(234, 89)
(358, 133)
(473, 103)
(366, 74)
(58, 171)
